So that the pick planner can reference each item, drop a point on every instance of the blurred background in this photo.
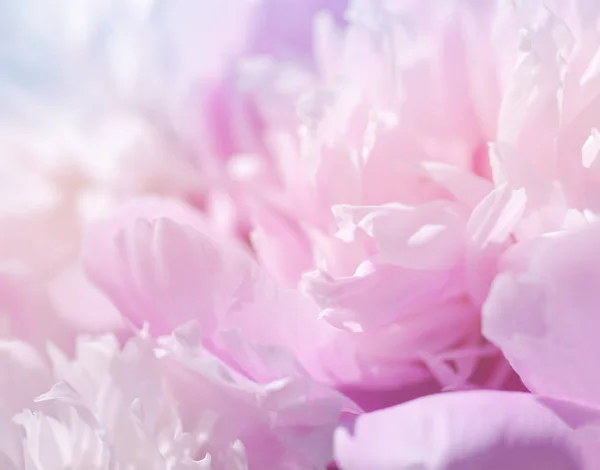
(102, 100)
(91, 89)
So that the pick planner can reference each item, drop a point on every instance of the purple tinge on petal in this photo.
(284, 28)
(472, 431)
(543, 312)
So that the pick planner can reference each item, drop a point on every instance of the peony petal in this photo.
(543, 313)
(470, 430)
(495, 218)
(160, 271)
(280, 245)
(378, 295)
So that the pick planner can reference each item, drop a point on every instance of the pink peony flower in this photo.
(383, 211)
(402, 203)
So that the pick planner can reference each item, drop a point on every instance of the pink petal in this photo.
(466, 187)
(378, 295)
(543, 313)
(70, 290)
(280, 245)
(156, 264)
(471, 430)
(497, 215)
(425, 237)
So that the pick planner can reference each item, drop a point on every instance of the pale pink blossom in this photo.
(381, 210)
(401, 204)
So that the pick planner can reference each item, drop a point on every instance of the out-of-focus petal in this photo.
(28, 312)
(156, 264)
(26, 375)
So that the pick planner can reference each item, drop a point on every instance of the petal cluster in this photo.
(290, 235)
(164, 403)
